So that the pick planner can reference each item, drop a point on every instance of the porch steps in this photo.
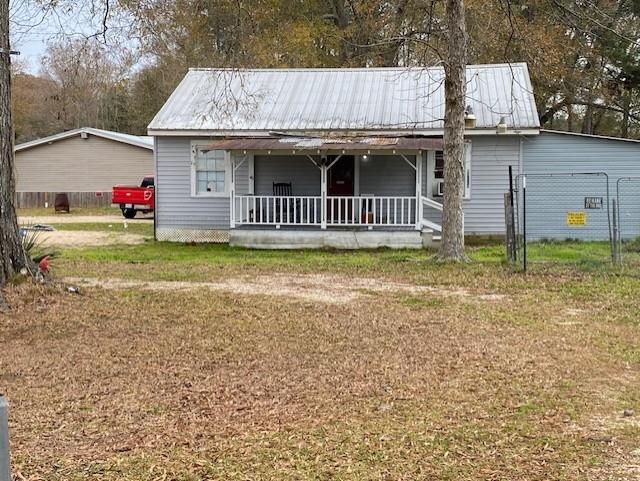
(430, 238)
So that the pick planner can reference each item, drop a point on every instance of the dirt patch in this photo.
(81, 219)
(312, 287)
(87, 238)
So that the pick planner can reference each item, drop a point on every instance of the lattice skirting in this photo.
(192, 235)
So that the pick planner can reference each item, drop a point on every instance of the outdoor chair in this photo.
(283, 189)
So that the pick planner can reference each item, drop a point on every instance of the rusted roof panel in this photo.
(327, 144)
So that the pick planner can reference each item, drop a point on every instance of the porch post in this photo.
(323, 196)
(232, 191)
(419, 207)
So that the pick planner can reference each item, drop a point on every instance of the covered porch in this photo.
(345, 186)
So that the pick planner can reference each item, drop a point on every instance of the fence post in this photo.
(524, 223)
(509, 228)
(615, 253)
(5, 468)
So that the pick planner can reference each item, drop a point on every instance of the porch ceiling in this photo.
(329, 144)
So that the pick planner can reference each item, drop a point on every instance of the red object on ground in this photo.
(133, 199)
(43, 265)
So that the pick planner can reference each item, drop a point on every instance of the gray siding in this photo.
(490, 160)
(176, 207)
(75, 164)
(297, 169)
(549, 199)
(387, 175)
(381, 175)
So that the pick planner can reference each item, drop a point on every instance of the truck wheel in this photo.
(129, 213)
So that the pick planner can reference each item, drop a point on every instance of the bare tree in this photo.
(12, 255)
(455, 64)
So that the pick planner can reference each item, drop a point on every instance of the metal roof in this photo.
(591, 136)
(143, 141)
(239, 102)
(328, 144)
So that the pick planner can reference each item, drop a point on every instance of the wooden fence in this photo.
(28, 200)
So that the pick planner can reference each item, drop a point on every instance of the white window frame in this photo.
(467, 171)
(227, 173)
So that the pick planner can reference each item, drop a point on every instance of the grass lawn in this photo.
(145, 229)
(207, 362)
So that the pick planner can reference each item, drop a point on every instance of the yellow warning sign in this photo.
(576, 219)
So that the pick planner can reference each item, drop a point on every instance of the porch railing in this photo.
(430, 204)
(346, 211)
(278, 210)
(335, 211)
(371, 211)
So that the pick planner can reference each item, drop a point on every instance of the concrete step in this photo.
(430, 238)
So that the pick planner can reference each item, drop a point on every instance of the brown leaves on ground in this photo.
(129, 383)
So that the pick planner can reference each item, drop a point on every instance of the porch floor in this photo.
(333, 228)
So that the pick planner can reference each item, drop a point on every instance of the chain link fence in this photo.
(626, 220)
(562, 217)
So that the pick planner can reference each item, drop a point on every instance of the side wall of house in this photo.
(551, 197)
(181, 216)
(491, 157)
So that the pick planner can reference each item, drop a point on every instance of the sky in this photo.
(33, 27)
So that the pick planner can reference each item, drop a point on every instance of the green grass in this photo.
(145, 229)
(575, 253)
(569, 251)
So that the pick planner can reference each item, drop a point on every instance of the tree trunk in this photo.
(587, 122)
(452, 248)
(12, 256)
(570, 117)
(626, 106)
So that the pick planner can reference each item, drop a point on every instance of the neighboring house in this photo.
(83, 163)
(331, 157)
(555, 163)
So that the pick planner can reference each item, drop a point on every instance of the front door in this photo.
(340, 177)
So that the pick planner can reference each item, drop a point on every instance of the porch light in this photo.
(365, 157)
(501, 128)
(469, 118)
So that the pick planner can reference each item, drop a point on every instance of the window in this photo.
(210, 172)
(438, 170)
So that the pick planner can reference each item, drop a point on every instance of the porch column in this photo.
(232, 190)
(419, 207)
(323, 196)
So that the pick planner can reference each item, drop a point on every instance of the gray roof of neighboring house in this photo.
(227, 101)
(143, 141)
(590, 136)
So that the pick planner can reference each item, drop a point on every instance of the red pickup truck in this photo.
(134, 199)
